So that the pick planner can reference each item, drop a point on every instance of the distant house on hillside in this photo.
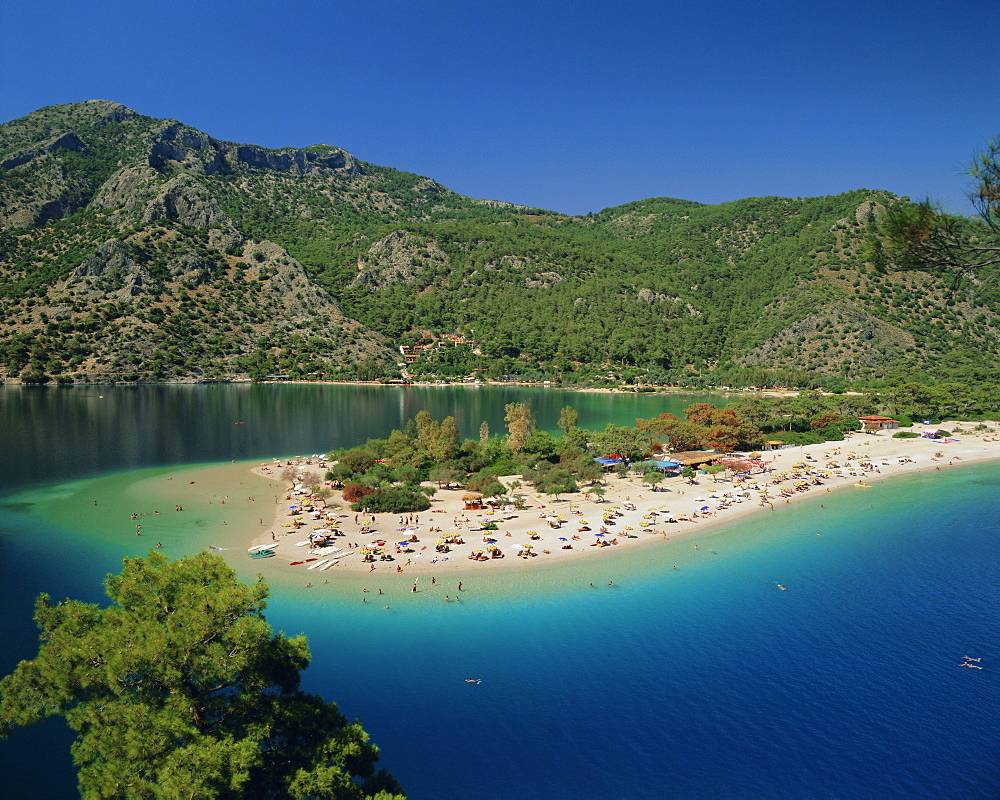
(876, 423)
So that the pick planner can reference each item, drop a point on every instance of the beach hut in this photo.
(695, 458)
(874, 423)
(473, 501)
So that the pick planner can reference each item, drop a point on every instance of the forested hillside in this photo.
(137, 248)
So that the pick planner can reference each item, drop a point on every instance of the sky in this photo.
(569, 106)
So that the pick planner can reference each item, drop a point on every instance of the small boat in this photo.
(863, 485)
(262, 554)
(317, 564)
(259, 547)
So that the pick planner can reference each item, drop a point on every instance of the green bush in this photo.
(393, 500)
(906, 435)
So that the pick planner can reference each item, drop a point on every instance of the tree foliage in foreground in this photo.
(179, 688)
(919, 236)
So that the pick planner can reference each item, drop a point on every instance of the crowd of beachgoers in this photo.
(324, 537)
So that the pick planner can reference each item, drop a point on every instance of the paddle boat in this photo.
(262, 554)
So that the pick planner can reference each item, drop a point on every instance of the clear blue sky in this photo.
(571, 106)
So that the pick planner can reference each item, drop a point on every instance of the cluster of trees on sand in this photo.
(395, 474)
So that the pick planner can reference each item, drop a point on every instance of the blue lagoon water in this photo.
(704, 681)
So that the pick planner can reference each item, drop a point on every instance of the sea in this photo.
(706, 680)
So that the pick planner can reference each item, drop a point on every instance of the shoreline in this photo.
(632, 516)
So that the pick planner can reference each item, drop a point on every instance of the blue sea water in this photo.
(704, 681)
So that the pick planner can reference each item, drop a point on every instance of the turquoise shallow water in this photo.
(706, 681)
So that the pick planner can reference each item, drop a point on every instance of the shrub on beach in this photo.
(906, 435)
(394, 500)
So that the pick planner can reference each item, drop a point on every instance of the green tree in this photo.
(714, 470)
(519, 425)
(446, 476)
(358, 460)
(919, 236)
(654, 477)
(568, 418)
(180, 689)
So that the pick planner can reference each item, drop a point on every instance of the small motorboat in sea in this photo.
(262, 554)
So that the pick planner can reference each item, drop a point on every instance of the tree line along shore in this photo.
(423, 500)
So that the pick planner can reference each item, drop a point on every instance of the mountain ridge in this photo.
(144, 248)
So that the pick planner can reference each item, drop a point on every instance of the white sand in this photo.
(875, 458)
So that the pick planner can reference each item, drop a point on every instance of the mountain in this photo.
(140, 248)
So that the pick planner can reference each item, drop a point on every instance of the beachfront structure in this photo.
(877, 423)
(695, 458)
(662, 464)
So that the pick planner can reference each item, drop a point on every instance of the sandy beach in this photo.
(445, 539)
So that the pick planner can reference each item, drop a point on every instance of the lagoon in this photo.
(703, 681)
